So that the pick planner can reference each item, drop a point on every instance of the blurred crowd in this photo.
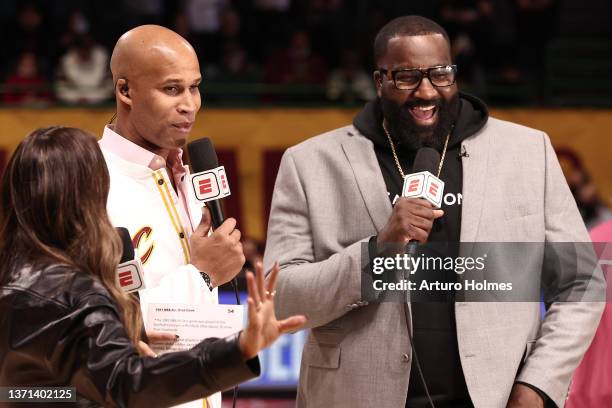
(592, 206)
(263, 50)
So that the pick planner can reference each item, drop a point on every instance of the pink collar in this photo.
(129, 151)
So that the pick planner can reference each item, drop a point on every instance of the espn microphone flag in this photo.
(210, 184)
(129, 270)
(423, 184)
(209, 180)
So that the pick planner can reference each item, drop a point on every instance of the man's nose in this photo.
(189, 103)
(426, 90)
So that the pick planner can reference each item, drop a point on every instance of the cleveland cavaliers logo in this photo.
(142, 245)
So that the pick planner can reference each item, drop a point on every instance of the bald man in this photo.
(157, 77)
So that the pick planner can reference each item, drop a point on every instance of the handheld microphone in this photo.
(208, 180)
(210, 184)
(422, 183)
(129, 271)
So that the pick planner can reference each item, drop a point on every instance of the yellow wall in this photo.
(250, 131)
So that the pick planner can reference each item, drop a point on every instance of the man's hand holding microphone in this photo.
(410, 220)
(219, 254)
(413, 214)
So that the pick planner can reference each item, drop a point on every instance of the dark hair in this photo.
(53, 212)
(405, 26)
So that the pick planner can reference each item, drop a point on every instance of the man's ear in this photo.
(377, 82)
(122, 90)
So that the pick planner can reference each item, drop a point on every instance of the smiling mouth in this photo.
(424, 114)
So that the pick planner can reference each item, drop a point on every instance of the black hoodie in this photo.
(434, 329)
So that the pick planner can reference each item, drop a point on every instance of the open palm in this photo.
(263, 328)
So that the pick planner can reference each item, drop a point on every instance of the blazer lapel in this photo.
(363, 162)
(474, 184)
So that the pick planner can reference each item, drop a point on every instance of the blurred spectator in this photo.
(236, 67)
(593, 210)
(482, 33)
(231, 37)
(28, 32)
(226, 81)
(296, 64)
(253, 252)
(204, 21)
(231, 28)
(374, 20)
(327, 24)
(281, 6)
(535, 27)
(205, 15)
(26, 85)
(394, 8)
(83, 75)
(77, 26)
(350, 83)
(230, 24)
(273, 25)
(144, 12)
(180, 24)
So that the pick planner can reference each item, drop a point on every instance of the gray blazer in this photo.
(330, 197)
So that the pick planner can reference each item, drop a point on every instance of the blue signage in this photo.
(280, 364)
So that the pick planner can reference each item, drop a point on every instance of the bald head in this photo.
(141, 48)
(157, 77)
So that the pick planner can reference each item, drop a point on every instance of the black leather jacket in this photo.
(59, 327)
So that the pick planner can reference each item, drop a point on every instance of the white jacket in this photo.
(143, 201)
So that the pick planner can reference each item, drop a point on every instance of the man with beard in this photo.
(337, 196)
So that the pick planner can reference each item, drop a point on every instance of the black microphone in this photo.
(463, 152)
(130, 268)
(130, 276)
(203, 157)
(427, 159)
(126, 242)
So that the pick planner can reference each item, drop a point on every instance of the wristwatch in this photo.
(207, 280)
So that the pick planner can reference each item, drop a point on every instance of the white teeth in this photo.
(425, 108)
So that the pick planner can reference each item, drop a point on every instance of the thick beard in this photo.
(408, 135)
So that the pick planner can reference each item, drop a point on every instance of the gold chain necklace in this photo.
(397, 163)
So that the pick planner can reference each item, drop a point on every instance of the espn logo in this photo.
(206, 186)
(414, 185)
(424, 185)
(129, 276)
(210, 184)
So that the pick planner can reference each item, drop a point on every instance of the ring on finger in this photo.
(271, 294)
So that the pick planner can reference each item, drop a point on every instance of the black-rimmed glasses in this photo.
(410, 78)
